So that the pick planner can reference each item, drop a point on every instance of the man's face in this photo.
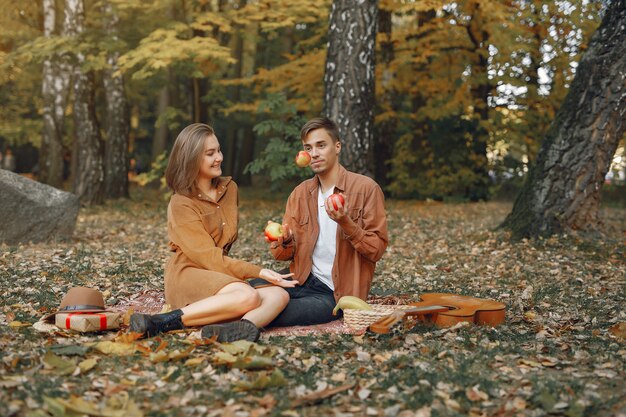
(324, 152)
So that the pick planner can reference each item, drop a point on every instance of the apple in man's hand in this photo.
(335, 199)
(303, 158)
(273, 231)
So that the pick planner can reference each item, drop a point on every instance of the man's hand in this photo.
(340, 215)
(275, 278)
(285, 238)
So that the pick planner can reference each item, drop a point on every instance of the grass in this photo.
(560, 353)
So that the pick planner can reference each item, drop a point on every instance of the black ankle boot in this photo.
(151, 325)
(229, 332)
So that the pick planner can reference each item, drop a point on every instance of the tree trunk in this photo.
(538, 114)
(246, 155)
(55, 82)
(88, 182)
(248, 58)
(562, 191)
(200, 109)
(232, 131)
(117, 128)
(162, 132)
(349, 80)
(480, 90)
(383, 144)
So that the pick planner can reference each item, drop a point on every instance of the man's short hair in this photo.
(321, 123)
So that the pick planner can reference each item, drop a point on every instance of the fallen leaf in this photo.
(157, 357)
(16, 324)
(338, 377)
(364, 393)
(423, 412)
(44, 327)
(180, 354)
(11, 381)
(119, 405)
(69, 350)
(528, 362)
(518, 403)
(320, 395)
(58, 364)
(530, 315)
(475, 394)
(194, 361)
(263, 381)
(166, 309)
(618, 330)
(128, 337)
(115, 348)
(87, 364)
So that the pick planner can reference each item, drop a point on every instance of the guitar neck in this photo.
(415, 311)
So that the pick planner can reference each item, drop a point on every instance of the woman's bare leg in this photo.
(231, 302)
(273, 301)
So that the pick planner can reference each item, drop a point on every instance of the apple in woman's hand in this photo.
(273, 231)
(335, 199)
(303, 158)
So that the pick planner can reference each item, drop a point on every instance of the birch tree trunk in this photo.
(349, 80)
(562, 191)
(117, 122)
(55, 91)
(88, 182)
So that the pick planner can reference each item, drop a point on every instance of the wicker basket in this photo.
(359, 319)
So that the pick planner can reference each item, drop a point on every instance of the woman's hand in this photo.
(278, 279)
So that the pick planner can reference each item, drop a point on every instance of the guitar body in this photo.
(445, 310)
(461, 308)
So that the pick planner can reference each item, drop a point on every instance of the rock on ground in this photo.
(33, 212)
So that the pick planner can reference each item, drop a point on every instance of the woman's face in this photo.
(211, 166)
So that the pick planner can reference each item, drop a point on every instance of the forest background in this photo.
(465, 91)
(468, 96)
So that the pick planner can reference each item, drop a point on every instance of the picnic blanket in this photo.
(152, 302)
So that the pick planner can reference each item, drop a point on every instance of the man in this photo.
(333, 251)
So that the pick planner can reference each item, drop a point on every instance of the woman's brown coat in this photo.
(201, 232)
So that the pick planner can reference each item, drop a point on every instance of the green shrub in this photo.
(281, 129)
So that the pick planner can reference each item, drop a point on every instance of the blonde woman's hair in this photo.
(186, 157)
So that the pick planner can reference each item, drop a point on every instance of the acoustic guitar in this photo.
(445, 310)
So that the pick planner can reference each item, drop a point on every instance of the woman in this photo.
(202, 283)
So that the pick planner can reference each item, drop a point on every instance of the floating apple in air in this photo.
(303, 159)
(335, 199)
(273, 231)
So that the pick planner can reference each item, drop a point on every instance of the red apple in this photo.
(335, 199)
(273, 231)
(303, 159)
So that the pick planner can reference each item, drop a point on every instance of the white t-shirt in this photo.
(326, 245)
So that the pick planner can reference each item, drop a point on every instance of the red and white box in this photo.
(88, 322)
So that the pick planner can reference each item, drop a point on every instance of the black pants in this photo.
(311, 303)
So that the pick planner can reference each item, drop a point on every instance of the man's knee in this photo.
(306, 311)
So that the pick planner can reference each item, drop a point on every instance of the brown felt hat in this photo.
(80, 300)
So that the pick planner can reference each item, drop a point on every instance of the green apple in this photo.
(273, 231)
